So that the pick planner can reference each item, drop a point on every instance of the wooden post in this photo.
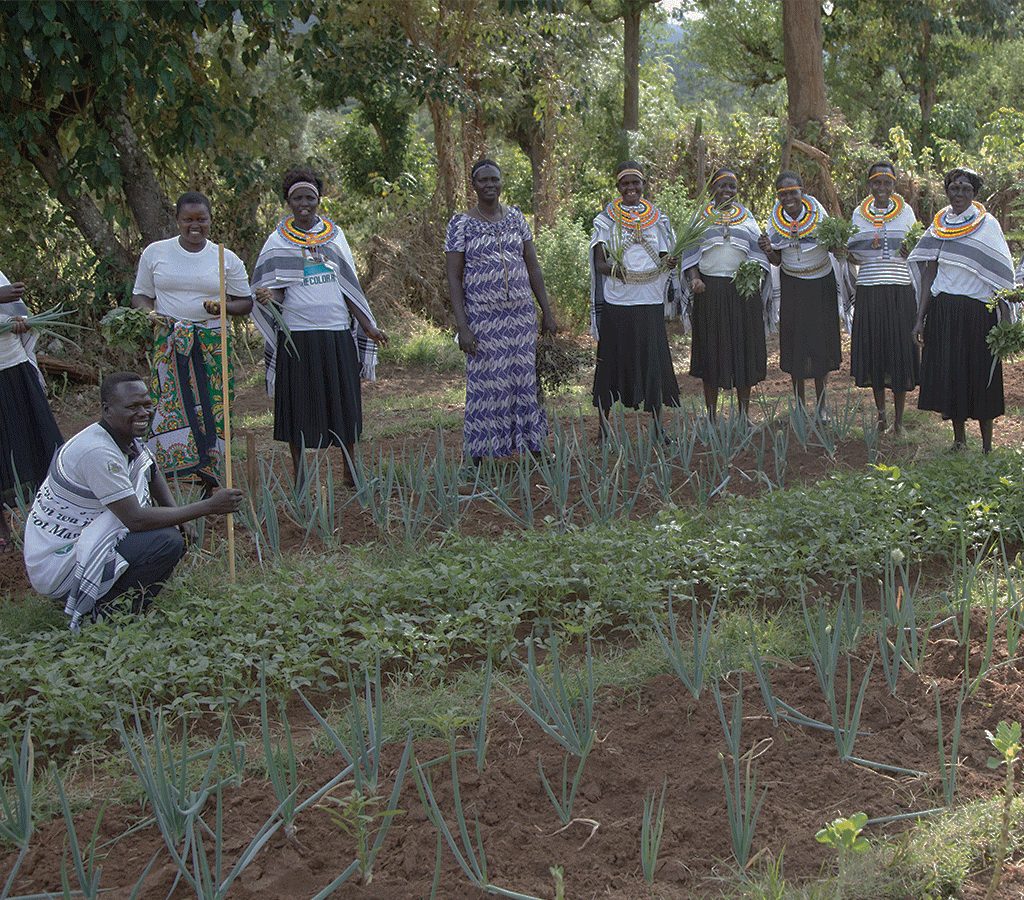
(225, 370)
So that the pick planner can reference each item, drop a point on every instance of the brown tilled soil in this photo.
(657, 733)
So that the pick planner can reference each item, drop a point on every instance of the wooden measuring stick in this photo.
(225, 370)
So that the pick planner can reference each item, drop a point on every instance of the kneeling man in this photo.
(104, 522)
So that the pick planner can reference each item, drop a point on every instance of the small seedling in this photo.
(1007, 742)
(844, 836)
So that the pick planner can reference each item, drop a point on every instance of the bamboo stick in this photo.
(225, 370)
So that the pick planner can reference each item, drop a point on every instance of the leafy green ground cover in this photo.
(427, 609)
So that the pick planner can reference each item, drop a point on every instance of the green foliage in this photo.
(748, 278)
(834, 234)
(562, 250)
(125, 328)
(844, 834)
(320, 615)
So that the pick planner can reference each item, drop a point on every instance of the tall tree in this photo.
(90, 91)
(630, 11)
(803, 58)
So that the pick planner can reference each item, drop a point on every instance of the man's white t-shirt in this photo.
(89, 473)
(180, 280)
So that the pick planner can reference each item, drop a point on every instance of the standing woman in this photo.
(809, 301)
(883, 350)
(728, 348)
(28, 433)
(629, 272)
(307, 269)
(493, 278)
(178, 282)
(961, 261)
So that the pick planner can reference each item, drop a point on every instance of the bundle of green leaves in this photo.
(748, 278)
(834, 234)
(914, 234)
(1006, 340)
(126, 328)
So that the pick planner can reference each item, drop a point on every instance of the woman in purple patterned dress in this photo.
(493, 277)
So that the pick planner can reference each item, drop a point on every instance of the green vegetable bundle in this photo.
(834, 234)
(559, 363)
(1005, 295)
(690, 225)
(748, 278)
(914, 234)
(127, 328)
(45, 322)
(1006, 341)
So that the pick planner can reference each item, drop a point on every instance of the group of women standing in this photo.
(321, 336)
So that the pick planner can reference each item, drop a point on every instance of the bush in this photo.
(562, 249)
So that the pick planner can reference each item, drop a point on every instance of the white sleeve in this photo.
(236, 278)
(144, 284)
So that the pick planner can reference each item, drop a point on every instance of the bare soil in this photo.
(652, 735)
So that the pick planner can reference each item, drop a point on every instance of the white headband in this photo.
(303, 184)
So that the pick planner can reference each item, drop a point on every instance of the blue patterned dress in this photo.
(503, 412)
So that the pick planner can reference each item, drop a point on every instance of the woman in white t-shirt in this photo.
(28, 432)
(306, 270)
(179, 283)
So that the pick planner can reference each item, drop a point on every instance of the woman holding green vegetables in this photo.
(28, 433)
(178, 283)
(809, 300)
(883, 351)
(629, 271)
(728, 347)
(960, 262)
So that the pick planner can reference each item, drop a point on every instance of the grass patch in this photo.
(424, 345)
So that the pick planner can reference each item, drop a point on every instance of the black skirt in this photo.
(956, 362)
(28, 432)
(634, 364)
(728, 336)
(317, 397)
(809, 326)
(883, 352)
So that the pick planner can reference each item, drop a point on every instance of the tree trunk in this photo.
(631, 68)
(152, 211)
(474, 138)
(926, 90)
(448, 191)
(96, 230)
(804, 62)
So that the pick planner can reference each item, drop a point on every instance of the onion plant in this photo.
(689, 665)
(652, 827)
(564, 801)
(86, 871)
(780, 447)
(16, 825)
(364, 728)
(948, 767)
(282, 769)
(480, 734)
(356, 815)
(468, 852)
(567, 717)
(743, 805)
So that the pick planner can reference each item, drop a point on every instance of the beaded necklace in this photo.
(799, 228)
(881, 219)
(728, 215)
(896, 204)
(633, 219)
(957, 231)
(322, 234)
